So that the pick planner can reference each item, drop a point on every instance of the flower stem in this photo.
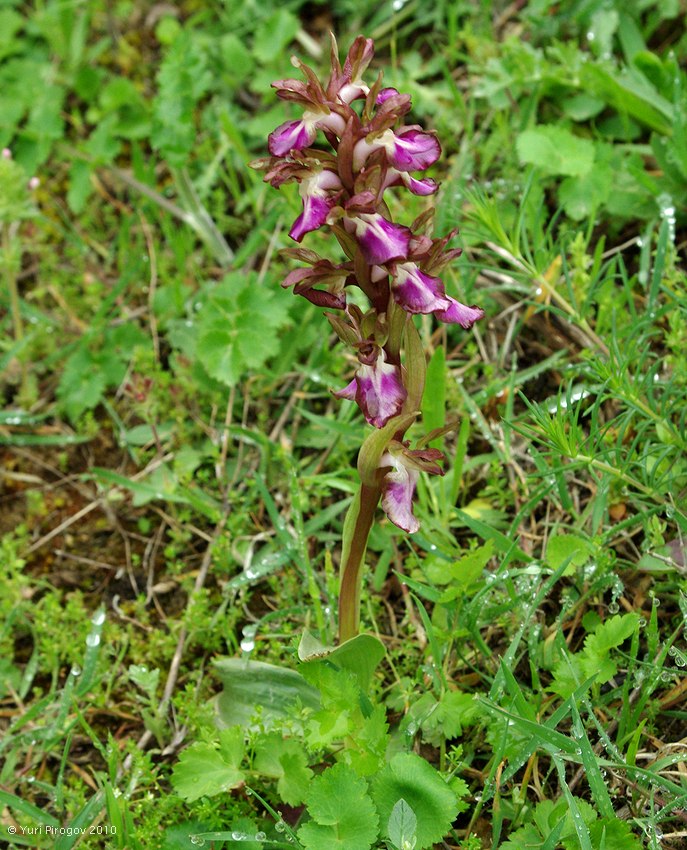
(361, 516)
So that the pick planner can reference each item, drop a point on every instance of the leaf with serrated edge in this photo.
(202, 771)
(343, 816)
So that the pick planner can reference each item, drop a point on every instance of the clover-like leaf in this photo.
(343, 815)
(411, 778)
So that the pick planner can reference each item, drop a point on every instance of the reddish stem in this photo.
(351, 570)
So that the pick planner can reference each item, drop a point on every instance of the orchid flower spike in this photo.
(349, 145)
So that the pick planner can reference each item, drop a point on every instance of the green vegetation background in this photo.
(174, 471)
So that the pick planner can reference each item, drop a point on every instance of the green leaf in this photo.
(343, 816)
(274, 34)
(567, 547)
(360, 655)
(411, 778)
(555, 150)
(611, 834)
(294, 783)
(286, 761)
(249, 686)
(237, 327)
(581, 196)
(203, 771)
(463, 572)
(80, 186)
(434, 398)
(183, 79)
(402, 826)
(81, 385)
(607, 636)
(525, 838)
(630, 93)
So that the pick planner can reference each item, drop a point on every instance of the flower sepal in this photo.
(401, 468)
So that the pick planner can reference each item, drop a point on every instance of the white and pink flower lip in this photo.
(400, 481)
(319, 193)
(425, 186)
(408, 149)
(460, 314)
(416, 291)
(297, 135)
(377, 389)
(380, 240)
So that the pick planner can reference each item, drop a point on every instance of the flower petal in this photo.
(314, 215)
(459, 314)
(385, 94)
(348, 392)
(427, 186)
(416, 291)
(413, 150)
(292, 135)
(380, 240)
(398, 488)
(379, 391)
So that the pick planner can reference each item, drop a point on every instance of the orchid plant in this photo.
(396, 266)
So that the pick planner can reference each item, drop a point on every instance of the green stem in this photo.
(361, 513)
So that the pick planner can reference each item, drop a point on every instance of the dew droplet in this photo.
(93, 640)
(75, 671)
(99, 617)
(198, 840)
(260, 836)
(280, 826)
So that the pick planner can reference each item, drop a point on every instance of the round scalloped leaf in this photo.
(343, 816)
(412, 779)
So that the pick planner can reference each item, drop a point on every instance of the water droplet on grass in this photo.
(92, 640)
(98, 618)
(280, 826)
(260, 836)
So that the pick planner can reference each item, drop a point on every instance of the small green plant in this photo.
(359, 798)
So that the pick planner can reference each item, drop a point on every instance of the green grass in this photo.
(167, 502)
